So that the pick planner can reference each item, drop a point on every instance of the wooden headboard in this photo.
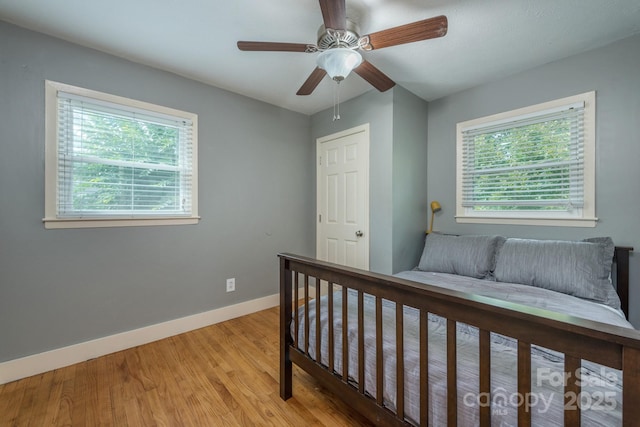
(621, 260)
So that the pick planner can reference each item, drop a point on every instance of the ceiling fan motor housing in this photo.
(329, 38)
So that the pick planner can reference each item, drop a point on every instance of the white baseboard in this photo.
(35, 364)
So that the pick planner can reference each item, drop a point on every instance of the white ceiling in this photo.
(487, 39)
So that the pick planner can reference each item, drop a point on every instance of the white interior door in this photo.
(343, 197)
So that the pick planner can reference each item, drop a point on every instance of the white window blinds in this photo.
(530, 162)
(121, 161)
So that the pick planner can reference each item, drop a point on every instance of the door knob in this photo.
(359, 233)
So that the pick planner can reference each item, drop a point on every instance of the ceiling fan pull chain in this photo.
(336, 102)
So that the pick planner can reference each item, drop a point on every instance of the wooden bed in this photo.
(576, 338)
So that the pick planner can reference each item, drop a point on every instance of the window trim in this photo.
(51, 219)
(585, 218)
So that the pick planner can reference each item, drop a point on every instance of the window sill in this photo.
(56, 223)
(552, 222)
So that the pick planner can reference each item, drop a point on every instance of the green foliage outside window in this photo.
(124, 164)
(526, 167)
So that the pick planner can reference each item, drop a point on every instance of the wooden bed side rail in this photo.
(577, 338)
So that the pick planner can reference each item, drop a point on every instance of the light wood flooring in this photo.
(222, 375)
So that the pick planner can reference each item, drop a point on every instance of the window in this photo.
(535, 165)
(113, 161)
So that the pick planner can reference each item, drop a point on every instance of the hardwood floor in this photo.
(221, 375)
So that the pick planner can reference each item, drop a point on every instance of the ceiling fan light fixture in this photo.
(339, 62)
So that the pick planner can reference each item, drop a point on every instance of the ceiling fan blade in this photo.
(275, 47)
(312, 81)
(334, 14)
(374, 76)
(416, 31)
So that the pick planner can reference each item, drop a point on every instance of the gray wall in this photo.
(256, 198)
(409, 178)
(257, 191)
(398, 176)
(614, 73)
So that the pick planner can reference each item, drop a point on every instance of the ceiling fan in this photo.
(339, 41)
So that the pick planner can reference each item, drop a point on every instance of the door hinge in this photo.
(320, 218)
(320, 160)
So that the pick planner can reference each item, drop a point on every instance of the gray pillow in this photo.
(581, 269)
(613, 299)
(472, 256)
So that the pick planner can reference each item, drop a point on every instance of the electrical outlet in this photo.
(231, 284)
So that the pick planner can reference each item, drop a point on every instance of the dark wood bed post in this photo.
(621, 259)
(285, 328)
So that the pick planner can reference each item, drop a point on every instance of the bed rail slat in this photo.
(400, 360)
(318, 325)
(524, 384)
(485, 378)
(452, 374)
(331, 336)
(572, 391)
(296, 300)
(306, 314)
(379, 364)
(345, 336)
(424, 368)
(361, 342)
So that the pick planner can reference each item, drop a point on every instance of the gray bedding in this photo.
(601, 388)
